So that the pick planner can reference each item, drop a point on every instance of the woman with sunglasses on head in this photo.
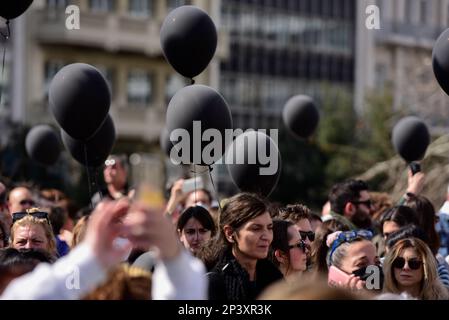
(288, 250)
(411, 267)
(349, 256)
(242, 270)
(300, 215)
(32, 229)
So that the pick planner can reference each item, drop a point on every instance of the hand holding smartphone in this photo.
(190, 185)
(337, 277)
(415, 167)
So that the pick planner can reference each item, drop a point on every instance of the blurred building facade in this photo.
(120, 38)
(398, 57)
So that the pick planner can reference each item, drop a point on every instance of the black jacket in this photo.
(228, 280)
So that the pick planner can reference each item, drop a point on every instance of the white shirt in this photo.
(79, 272)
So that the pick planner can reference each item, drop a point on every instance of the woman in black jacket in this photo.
(242, 270)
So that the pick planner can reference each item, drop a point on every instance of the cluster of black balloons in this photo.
(410, 135)
(79, 99)
(189, 41)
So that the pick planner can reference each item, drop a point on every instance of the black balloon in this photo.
(301, 116)
(246, 172)
(11, 9)
(189, 40)
(79, 100)
(411, 138)
(440, 60)
(42, 145)
(203, 104)
(98, 147)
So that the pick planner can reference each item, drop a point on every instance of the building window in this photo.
(408, 12)
(56, 4)
(101, 6)
(173, 4)
(423, 10)
(447, 12)
(4, 86)
(141, 8)
(51, 68)
(140, 87)
(109, 74)
(173, 85)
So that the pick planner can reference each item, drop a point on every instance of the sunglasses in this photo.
(413, 264)
(38, 214)
(367, 203)
(27, 201)
(307, 234)
(301, 245)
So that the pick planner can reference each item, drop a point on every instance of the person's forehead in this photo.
(198, 195)
(360, 249)
(30, 230)
(409, 253)
(20, 193)
(262, 219)
(303, 225)
(193, 223)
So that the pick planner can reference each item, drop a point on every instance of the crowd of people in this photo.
(363, 245)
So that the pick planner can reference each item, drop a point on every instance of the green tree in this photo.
(376, 134)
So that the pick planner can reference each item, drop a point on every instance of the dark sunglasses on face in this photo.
(307, 234)
(413, 263)
(301, 245)
(26, 201)
(363, 275)
(38, 214)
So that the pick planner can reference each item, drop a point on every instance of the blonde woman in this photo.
(32, 229)
(411, 268)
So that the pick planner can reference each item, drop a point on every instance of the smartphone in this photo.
(337, 277)
(190, 185)
(415, 167)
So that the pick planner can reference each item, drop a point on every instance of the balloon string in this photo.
(4, 57)
(96, 173)
(194, 180)
(215, 189)
(88, 176)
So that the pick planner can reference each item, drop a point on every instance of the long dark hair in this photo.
(237, 210)
(281, 239)
(426, 218)
(319, 246)
(401, 215)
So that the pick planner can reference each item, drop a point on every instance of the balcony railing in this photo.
(104, 31)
